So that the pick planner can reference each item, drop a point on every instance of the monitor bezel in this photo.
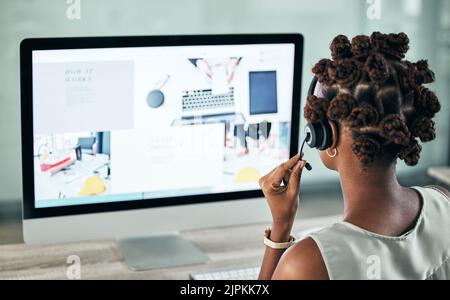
(29, 45)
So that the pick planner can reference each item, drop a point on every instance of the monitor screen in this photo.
(141, 123)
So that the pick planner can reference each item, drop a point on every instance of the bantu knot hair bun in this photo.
(320, 69)
(362, 116)
(393, 45)
(424, 74)
(426, 102)
(377, 68)
(341, 48)
(315, 109)
(361, 46)
(423, 128)
(341, 106)
(410, 153)
(407, 76)
(345, 72)
(366, 148)
(394, 129)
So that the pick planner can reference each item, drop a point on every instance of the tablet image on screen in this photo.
(263, 92)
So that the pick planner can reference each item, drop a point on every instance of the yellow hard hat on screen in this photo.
(247, 174)
(93, 185)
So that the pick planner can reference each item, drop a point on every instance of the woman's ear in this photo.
(334, 133)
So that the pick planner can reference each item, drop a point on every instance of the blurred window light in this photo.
(412, 8)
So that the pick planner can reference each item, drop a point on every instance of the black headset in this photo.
(318, 134)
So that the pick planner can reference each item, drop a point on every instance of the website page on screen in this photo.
(121, 124)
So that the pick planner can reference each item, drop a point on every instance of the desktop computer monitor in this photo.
(127, 137)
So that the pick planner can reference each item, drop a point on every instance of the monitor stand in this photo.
(160, 251)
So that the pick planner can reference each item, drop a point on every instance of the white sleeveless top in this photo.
(350, 252)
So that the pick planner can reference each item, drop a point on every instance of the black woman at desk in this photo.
(367, 108)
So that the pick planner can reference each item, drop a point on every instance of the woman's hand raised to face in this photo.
(281, 188)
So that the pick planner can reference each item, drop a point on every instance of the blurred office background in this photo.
(426, 22)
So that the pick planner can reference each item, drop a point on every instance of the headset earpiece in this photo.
(318, 135)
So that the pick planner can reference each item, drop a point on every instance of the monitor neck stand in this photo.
(160, 251)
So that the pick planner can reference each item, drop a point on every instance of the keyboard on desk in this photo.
(250, 273)
(197, 101)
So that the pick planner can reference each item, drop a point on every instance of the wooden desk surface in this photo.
(227, 247)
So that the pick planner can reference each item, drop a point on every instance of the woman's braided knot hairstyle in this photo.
(370, 88)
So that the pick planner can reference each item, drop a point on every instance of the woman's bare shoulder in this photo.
(302, 261)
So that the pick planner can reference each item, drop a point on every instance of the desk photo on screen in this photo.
(72, 165)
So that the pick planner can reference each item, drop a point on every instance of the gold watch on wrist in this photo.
(274, 245)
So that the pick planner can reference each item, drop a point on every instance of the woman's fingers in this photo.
(296, 174)
(284, 169)
(286, 178)
(290, 164)
(278, 175)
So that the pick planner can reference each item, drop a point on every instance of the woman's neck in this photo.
(375, 201)
(369, 192)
